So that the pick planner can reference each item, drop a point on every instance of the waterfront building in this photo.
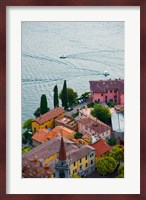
(47, 120)
(107, 90)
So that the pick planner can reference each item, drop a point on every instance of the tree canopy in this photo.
(56, 100)
(43, 104)
(106, 165)
(27, 124)
(121, 171)
(63, 95)
(100, 112)
(68, 96)
(117, 152)
(71, 96)
(78, 135)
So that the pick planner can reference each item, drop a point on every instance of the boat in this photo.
(62, 56)
(106, 73)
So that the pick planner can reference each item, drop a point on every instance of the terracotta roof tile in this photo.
(95, 125)
(101, 147)
(102, 85)
(41, 135)
(49, 115)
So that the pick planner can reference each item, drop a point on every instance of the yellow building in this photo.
(47, 120)
(81, 158)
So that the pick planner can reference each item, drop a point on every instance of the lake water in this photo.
(90, 48)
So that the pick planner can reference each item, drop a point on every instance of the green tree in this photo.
(71, 96)
(117, 152)
(75, 176)
(121, 171)
(43, 104)
(27, 124)
(37, 112)
(100, 112)
(63, 96)
(106, 165)
(112, 141)
(78, 135)
(27, 127)
(26, 149)
(111, 103)
(56, 100)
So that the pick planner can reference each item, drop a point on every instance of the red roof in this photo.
(103, 85)
(49, 115)
(41, 135)
(101, 147)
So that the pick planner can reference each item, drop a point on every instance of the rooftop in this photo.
(74, 152)
(117, 119)
(102, 85)
(41, 135)
(94, 124)
(49, 115)
(101, 147)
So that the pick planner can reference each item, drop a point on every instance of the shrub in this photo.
(78, 135)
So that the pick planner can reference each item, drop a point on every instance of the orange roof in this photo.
(49, 115)
(41, 135)
(101, 147)
(61, 130)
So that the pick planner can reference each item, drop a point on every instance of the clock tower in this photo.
(62, 169)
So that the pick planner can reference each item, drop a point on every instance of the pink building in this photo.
(107, 90)
(95, 128)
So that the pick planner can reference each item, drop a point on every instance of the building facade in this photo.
(47, 120)
(81, 159)
(107, 90)
(95, 128)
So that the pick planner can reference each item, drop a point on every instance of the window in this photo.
(74, 163)
(80, 160)
(86, 127)
(46, 126)
(98, 100)
(102, 134)
(81, 167)
(105, 97)
(115, 96)
(106, 91)
(111, 91)
(86, 157)
(34, 130)
(115, 91)
(86, 165)
(107, 132)
(91, 162)
(101, 94)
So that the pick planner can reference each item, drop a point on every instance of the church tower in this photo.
(62, 169)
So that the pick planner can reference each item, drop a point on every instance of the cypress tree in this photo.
(64, 96)
(43, 104)
(56, 100)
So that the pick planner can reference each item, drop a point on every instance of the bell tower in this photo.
(62, 169)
